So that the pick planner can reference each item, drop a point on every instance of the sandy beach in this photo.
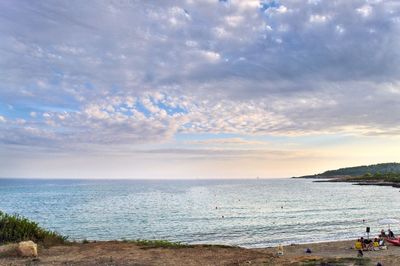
(125, 253)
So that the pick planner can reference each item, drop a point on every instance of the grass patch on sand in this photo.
(216, 246)
(16, 228)
(158, 244)
(337, 262)
(168, 244)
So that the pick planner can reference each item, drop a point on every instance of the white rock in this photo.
(27, 249)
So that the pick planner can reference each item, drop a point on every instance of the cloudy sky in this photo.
(197, 88)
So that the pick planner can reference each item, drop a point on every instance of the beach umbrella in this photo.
(389, 221)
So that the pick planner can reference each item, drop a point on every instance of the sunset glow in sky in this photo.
(197, 88)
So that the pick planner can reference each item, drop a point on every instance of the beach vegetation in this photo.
(16, 228)
(386, 177)
(217, 246)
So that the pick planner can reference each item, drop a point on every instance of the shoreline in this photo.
(130, 253)
(359, 182)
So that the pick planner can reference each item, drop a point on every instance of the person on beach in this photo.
(369, 244)
(391, 234)
(376, 244)
(381, 241)
(358, 245)
(363, 244)
(366, 244)
(360, 253)
(383, 234)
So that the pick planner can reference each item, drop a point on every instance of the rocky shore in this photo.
(360, 182)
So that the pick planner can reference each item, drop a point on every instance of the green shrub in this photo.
(15, 228)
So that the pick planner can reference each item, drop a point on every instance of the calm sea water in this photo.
(248, 213)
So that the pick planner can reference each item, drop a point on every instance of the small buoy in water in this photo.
(281, 207)
(223, 216)
(216, 207)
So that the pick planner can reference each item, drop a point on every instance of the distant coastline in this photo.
(384, 174)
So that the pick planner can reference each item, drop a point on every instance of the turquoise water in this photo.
(249, 213)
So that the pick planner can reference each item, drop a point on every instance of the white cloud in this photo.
(247, 4)
(191, 43)
(365, 10)
(211, 56)
(282, 9)
(339, 29)
(234, 21)
(94, 111)
(140, 72)
(229, 142)
(149, 105)
(70, 49)
(316, 18)
(222, 33)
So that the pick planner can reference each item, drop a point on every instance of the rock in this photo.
(27, 249)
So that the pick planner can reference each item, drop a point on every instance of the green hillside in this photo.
(382, 168)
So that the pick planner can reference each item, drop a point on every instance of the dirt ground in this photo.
(123, 253)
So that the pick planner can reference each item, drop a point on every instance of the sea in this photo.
(246, 213)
